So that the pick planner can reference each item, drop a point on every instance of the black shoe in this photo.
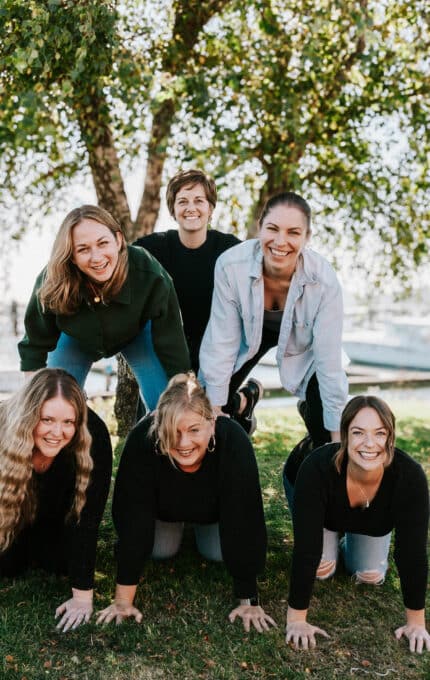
(252, 391)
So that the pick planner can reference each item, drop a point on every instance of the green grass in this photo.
(185, 603)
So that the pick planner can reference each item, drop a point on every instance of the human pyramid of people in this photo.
(192, 311)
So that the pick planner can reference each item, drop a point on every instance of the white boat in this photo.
(401, 342)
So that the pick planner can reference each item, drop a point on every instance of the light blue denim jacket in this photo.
(310, 335)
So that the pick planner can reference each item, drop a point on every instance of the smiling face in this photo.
(56, 427)
(192, 210)
(367, 440)
(283, 235)
(193, 433)
(95, 250)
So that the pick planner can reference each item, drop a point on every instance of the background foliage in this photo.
(328, 98)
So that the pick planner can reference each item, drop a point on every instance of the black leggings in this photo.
(311, 408)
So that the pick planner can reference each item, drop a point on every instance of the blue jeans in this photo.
(361, 553)
(168, 539)
(139, 354)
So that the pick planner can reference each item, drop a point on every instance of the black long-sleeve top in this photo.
(321, 500)
(225, 489)
(55, 490)
(192, 271)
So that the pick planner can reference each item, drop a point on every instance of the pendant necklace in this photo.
(97, 295)
(366, 500)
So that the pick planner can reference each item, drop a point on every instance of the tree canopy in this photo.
(329, 99)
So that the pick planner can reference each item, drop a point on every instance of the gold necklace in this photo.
(97, 295)
(367, 501)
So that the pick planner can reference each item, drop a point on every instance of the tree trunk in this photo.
(103, 159)
(157, 150)
(127, 394)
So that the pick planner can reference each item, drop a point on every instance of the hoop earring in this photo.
(211, 444)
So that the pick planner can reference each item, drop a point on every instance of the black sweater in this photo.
(55, 490)
(225, 489)
(321, 500)
(192, 271)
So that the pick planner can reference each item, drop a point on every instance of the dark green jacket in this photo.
(147, 295)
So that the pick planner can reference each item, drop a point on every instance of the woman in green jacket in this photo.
(95, 298)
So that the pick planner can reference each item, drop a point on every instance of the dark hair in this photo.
(287, 198)
(190, 178)
(354, 406)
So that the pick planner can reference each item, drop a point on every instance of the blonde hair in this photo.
(353, 407)
(19, 416)
(183, 393)
(61, 290)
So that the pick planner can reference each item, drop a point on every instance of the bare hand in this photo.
(118, 611)
(418, 637)
(251, 614)
(302, 634)
(75, 611)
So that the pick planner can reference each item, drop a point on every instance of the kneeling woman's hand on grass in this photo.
(122, 607)
(118, 611)
(299, 632)
(75, 611)
(252, 615)
(415, 631)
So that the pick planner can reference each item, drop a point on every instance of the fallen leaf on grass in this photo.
(366, 663)
(9, 658)
(47, 664)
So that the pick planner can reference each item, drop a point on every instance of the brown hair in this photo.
(190, 178)
(354, 406)
(61, 290)
(183, 393)
(288, 198)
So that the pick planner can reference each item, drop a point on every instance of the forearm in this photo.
(125, 594)
(83, 595)
(415, 617)
(294, 615)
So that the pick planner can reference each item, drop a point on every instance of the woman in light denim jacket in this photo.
(271, 291)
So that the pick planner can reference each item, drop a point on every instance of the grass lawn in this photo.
(185, 602)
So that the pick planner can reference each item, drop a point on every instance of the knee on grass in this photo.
(371, 577)
(326, 569)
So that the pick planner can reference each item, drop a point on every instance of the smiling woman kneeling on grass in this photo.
(362, 488)
(180, 465)
(55, 471)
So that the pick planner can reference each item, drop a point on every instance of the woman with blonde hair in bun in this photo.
(180, 465)
(55, 470)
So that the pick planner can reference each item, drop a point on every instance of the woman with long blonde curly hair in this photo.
(97, 297)
(55, 469)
